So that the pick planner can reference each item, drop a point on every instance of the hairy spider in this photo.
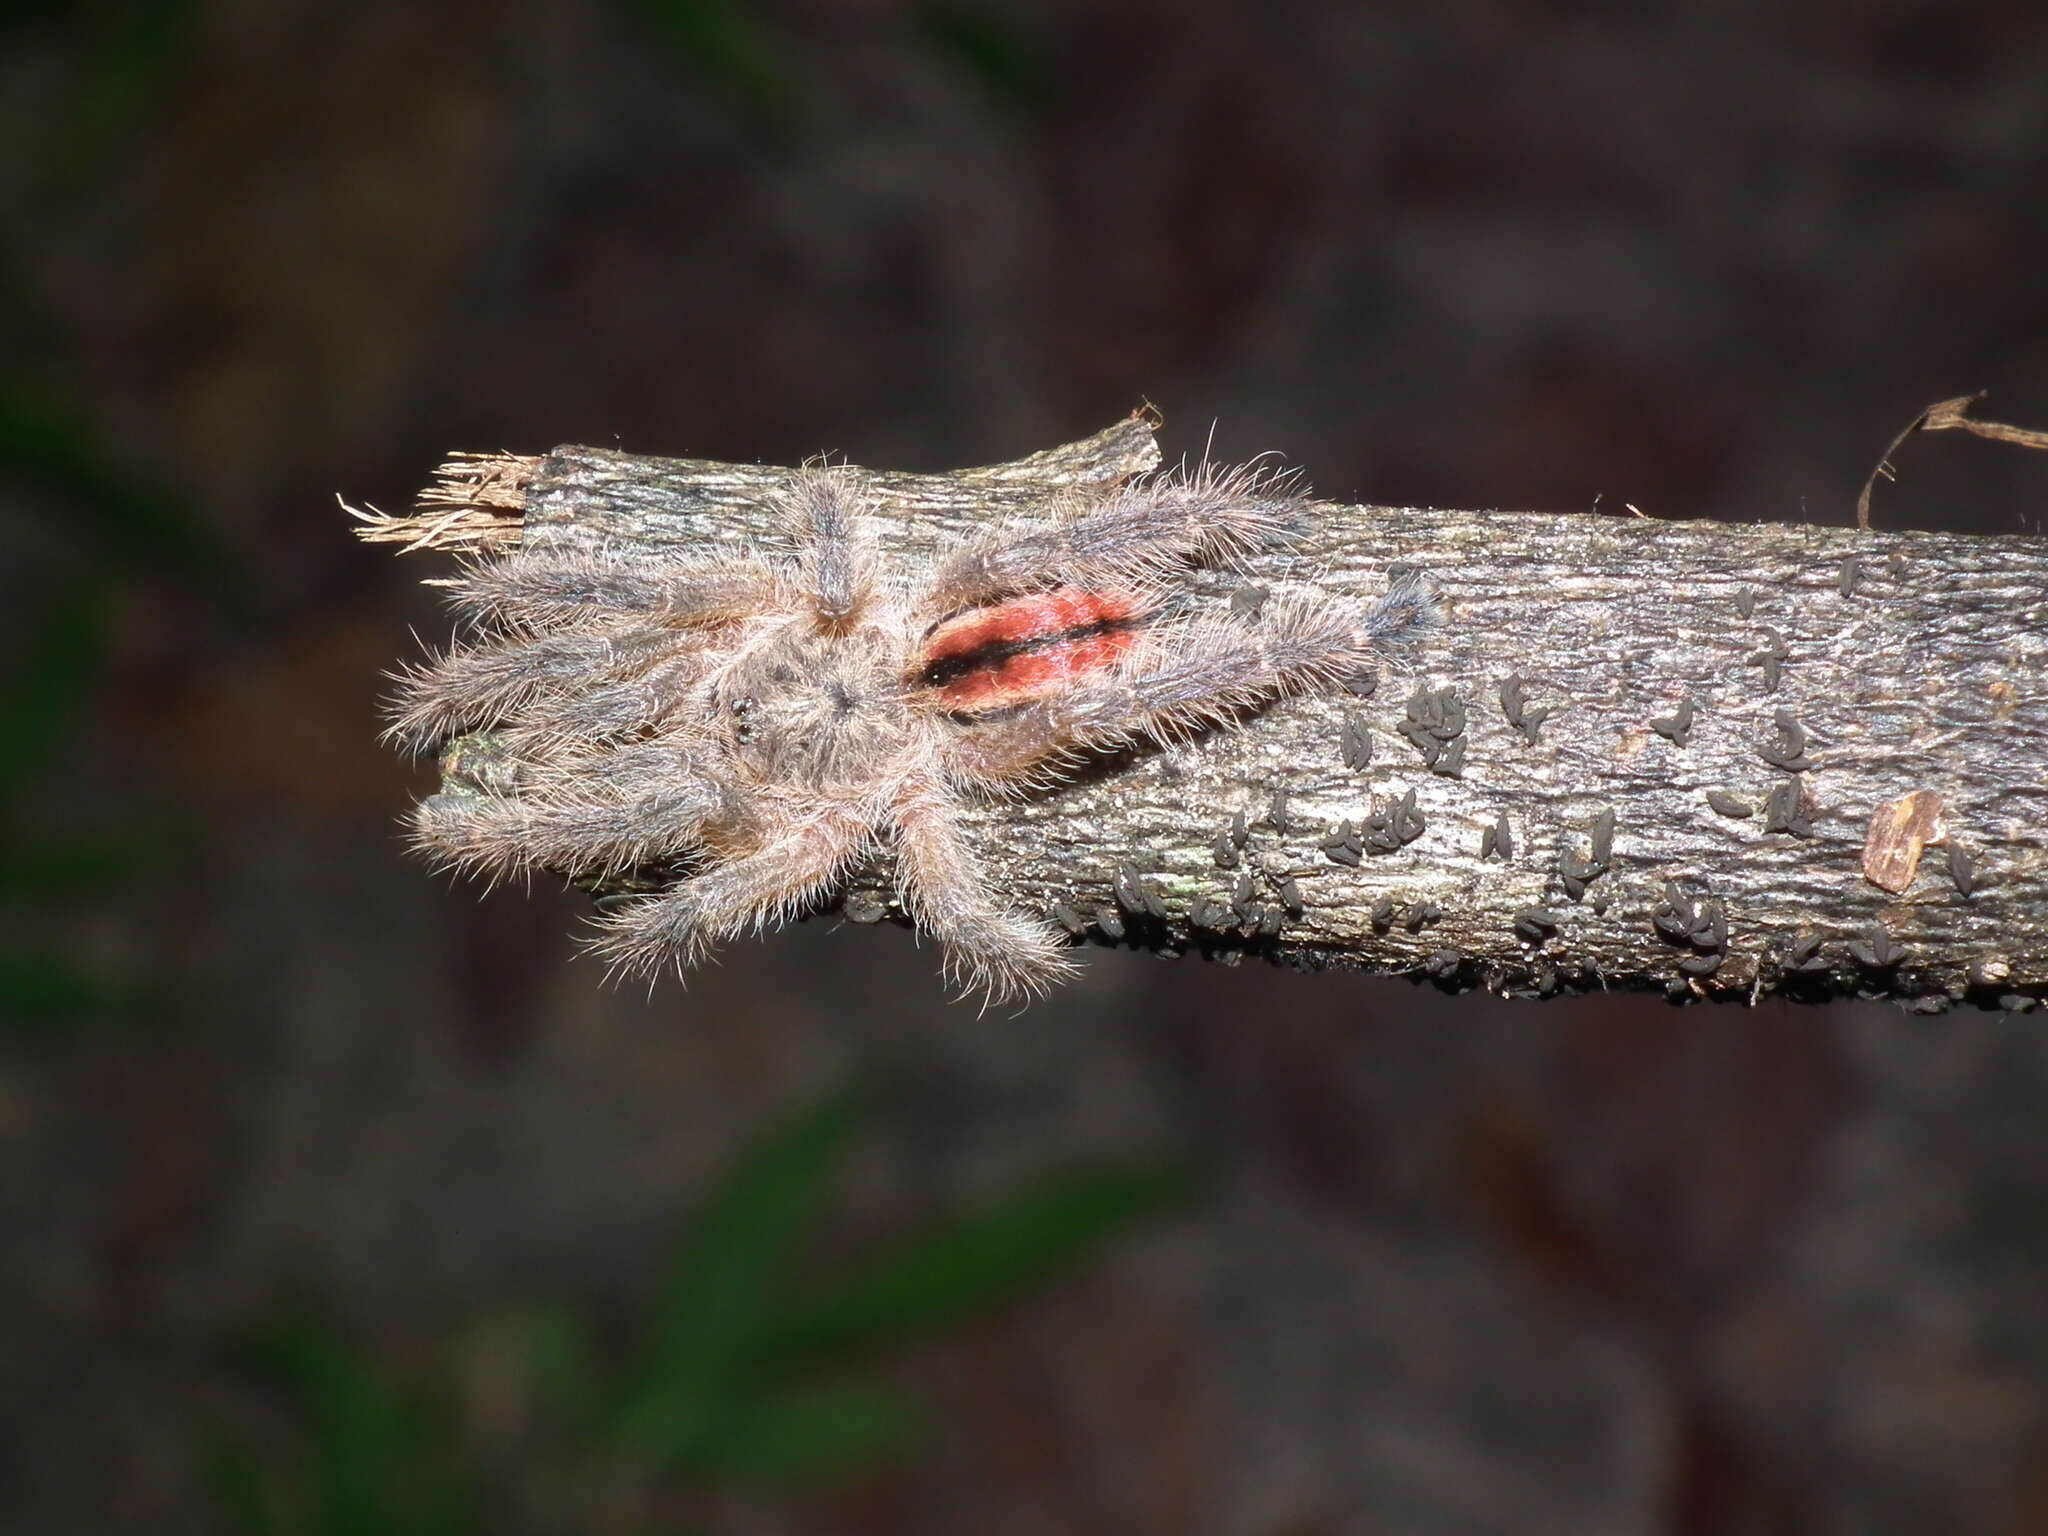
(760, 723)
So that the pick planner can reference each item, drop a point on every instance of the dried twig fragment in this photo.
(1944, 416)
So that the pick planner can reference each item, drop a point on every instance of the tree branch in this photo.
(1724, 760)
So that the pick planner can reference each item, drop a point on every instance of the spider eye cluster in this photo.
(812, 710)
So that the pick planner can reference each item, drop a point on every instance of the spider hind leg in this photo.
(1133, 536)
(1181, 678)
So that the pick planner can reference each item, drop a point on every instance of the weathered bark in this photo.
(1702, 775)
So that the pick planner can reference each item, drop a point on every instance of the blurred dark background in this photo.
(338, 1199)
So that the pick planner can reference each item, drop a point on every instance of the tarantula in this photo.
(763, 722)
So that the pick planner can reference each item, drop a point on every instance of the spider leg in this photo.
(1180, 678)
(745, 894)
(475, 685)
(628, 809)
(624, 770)
(823, 508)
(531, 591)
(610, 710)
(1134, 535)
(999, 953)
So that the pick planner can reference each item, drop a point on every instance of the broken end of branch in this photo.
(476, 501)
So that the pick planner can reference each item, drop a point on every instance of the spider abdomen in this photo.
(1005, 653)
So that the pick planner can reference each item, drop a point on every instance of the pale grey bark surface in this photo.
(1632, 753)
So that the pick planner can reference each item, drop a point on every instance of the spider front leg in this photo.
(608, 815)
(1003, 954)
(745, 894)
(608, 711)
(478, 685)
(568, 628)
(531, 591)
(823, 508)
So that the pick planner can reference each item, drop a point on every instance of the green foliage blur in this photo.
(114, 523)
(726, 49)
(751, 1370)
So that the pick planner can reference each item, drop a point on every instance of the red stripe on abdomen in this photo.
(1017, 679)
(1010, 652)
